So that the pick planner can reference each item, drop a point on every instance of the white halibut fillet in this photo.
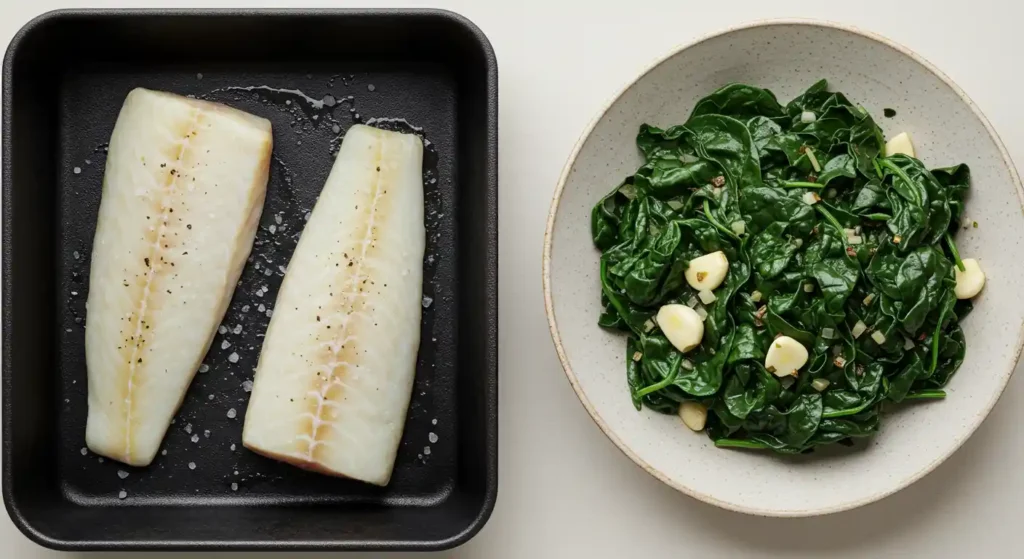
(183, 190)
(336, 372)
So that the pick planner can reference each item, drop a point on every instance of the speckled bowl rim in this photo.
(553, 322)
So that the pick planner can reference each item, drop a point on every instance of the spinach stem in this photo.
(844, 413)
(719, 226)
(935, 340)
(903, 176)
(801, 184)
(831, 219)
(614, 298)
(926, 395)
(739, 443)
(878, 168)
(956, 254)
(878, 217)
(664, 383)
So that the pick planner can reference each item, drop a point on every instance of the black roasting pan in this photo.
(65, 76)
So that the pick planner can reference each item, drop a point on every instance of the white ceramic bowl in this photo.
(787, 57)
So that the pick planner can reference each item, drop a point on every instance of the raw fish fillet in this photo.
(183, 190)
(335, 375)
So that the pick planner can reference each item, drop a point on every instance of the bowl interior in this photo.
(946, 128)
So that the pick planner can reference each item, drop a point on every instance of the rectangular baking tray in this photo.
(65, 76)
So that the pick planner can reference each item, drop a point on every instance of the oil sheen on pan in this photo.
(183, 191)
(335, 375)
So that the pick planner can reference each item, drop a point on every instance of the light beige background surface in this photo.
(565, 491)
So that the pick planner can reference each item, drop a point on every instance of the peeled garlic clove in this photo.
(694, 415)
(785, 357)
(970, 281)
(900, 144)
(681, 325)
(707, 272)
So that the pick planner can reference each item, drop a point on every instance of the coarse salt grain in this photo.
(232, 413)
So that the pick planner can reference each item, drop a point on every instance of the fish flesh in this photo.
(336, 371)
(183, 190)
